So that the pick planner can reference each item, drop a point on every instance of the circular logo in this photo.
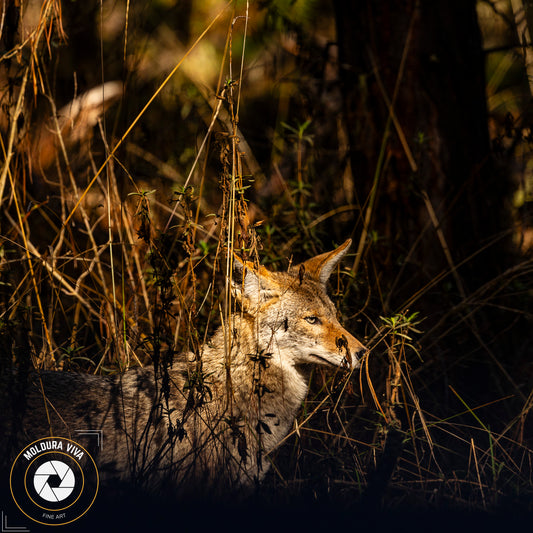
(54, 481)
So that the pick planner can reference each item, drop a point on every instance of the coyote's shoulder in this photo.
(216, 417)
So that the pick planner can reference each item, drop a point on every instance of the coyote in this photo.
(209, 419)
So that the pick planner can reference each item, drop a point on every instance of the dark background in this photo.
(404, 125)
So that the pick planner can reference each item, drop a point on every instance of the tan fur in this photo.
(221, 416)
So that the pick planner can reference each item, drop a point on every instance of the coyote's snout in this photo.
(217, 417)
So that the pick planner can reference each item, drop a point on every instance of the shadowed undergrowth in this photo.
(118, 216)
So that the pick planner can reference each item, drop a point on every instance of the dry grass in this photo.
(116, 251)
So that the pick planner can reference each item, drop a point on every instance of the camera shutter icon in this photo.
(54, 481)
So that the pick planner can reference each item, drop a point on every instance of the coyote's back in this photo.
(199, 419)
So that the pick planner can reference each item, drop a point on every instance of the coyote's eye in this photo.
(312, 319)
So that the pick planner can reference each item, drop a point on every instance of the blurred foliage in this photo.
(112, 250)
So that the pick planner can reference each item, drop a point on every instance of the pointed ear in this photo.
(321, 266)
(251, 283)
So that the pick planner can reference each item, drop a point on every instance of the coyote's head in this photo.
(292, 314)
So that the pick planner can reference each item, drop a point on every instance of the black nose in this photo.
(357, 356)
